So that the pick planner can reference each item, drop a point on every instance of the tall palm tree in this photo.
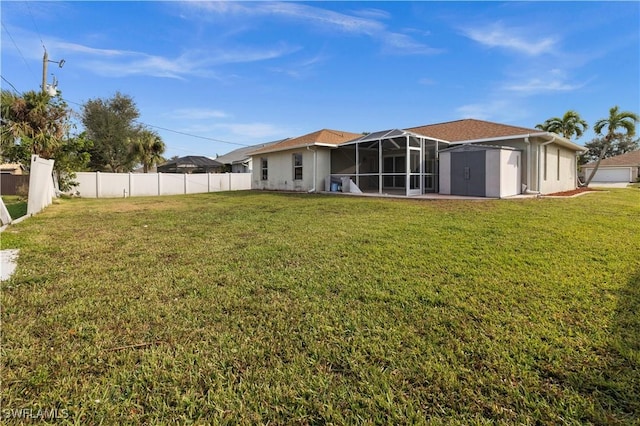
(570, 124)
(148, 147)
(618, 124)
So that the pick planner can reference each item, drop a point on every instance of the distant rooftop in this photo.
(242, 154)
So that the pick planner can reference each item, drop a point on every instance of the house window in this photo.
(545, 162)
(558, 170)
(297, 166)
(264, 167)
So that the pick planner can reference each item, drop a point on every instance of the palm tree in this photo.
(570, 124)
(32, 122)
(625, 121)
(148, 147)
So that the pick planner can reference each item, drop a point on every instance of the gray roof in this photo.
(241, 155)
(192, 161)
(631, 158)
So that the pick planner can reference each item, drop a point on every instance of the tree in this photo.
(36, 123)
(569, 125)
(32, 123)
(109, 124)
(618, 146)
(73, 157)
(618, 124)
(148, 148)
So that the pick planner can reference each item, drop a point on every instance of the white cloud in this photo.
(372, 13)
(537, 85)
(198, 114)
(255, 131)
(404, 44)
(425, 81)
(119, 63)
(498, 109)
(78, 48)
(367, 23)
(497, 35)
(302, 68)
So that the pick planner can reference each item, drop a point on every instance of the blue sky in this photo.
(251, 72)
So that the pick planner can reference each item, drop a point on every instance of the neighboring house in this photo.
(14, 181)
(191, 164)
(239, 160)
(463, 157)
(621, 168)
(12, 169)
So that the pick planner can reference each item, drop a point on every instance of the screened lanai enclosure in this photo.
(389, 162)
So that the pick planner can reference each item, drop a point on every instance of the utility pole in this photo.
(45, 62)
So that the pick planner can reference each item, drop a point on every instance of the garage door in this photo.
(619, 174)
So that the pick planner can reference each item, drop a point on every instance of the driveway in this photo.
(8, 263)
(609, 184)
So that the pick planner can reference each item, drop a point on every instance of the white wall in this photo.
(554, 182)
(280, 170)
(493, 175)
(510, 175)
(110, 185)
(445, 173)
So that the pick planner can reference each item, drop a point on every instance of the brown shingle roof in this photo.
(628, 159)
(470, 129)
(324, 136)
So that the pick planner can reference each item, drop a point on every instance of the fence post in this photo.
(159, 184)
(208, 182)
(130, 184)
(185, 184)
(97, 184)
(229, 189)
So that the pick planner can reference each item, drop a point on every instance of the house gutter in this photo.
(315, 166)
(553, 139)
(529, 190)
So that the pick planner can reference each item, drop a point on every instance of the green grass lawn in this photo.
(17, 206)
(248, 308)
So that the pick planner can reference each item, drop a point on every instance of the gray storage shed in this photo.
(480, 171)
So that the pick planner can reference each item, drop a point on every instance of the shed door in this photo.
(468, 173)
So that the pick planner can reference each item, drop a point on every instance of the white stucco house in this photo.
(621, 168)
(297, 164)
(463, 157)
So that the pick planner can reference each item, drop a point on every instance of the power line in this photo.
(154, 126)
(10, 84)
(175, 131)
(17, 48)
(36, 26)
(192, 135)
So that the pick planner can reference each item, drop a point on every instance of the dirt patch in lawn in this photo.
(572, 192)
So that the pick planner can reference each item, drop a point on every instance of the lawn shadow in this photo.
(626, 345)
(615, 388)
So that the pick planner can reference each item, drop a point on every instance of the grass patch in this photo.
(16, 206)
(251, 308)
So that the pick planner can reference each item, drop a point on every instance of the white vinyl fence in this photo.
(41, 189)
(111, 185)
